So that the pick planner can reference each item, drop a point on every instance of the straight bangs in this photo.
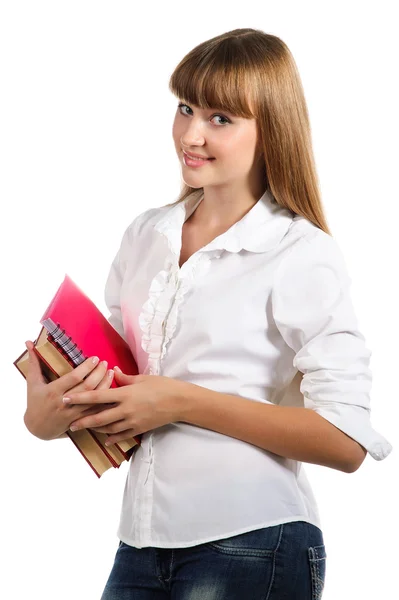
(218, 77)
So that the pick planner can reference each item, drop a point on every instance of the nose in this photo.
(193, 135)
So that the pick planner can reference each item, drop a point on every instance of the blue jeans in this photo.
(285, 561)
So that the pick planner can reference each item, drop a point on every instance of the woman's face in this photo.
(229, 140)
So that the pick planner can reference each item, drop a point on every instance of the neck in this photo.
(222, 208)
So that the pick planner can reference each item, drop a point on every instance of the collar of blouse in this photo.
(260, 230)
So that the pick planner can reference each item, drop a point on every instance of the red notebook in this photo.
(74, 312)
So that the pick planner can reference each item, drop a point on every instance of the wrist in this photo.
(185, 400)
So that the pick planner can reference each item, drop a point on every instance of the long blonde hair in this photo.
(248, 67)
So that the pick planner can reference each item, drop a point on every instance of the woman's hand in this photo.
(46, 415)
(141, 403)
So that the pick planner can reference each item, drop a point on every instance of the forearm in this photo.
(292, 432)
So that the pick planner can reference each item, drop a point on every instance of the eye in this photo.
(181, 105)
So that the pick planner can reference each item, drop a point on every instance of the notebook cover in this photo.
(74, 312)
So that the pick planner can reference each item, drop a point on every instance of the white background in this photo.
(84, 105)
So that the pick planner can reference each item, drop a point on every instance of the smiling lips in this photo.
(197, 156)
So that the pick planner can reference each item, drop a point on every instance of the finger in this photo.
(118, 437)
(76, 415)
(106, 381)
(92, 381)
(123, 379)
(77, 412)
(34, 372)
(76, 376)
(104, 418)
(92, 397)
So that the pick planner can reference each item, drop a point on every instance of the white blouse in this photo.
(264, 312)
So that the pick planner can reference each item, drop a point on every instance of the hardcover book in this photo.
(73, 329)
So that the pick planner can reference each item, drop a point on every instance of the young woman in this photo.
(235, 301)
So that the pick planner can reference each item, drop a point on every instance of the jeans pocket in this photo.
(317, 560)
(262, 543)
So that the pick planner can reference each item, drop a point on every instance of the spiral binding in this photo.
(64, 342)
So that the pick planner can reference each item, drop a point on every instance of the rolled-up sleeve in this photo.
(314, 313)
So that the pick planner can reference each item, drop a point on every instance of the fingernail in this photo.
(66, 400)
(117, 369)
(110, 373)
(95, 359)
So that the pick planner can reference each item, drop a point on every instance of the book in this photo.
(74, 355)
(73, 328)
(90, 443)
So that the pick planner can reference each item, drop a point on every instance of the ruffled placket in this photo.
(159, 317)
(257, 231)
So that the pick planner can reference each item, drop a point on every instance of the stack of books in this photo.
(73, 329)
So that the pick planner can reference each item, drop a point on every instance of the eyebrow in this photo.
(211, 109)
